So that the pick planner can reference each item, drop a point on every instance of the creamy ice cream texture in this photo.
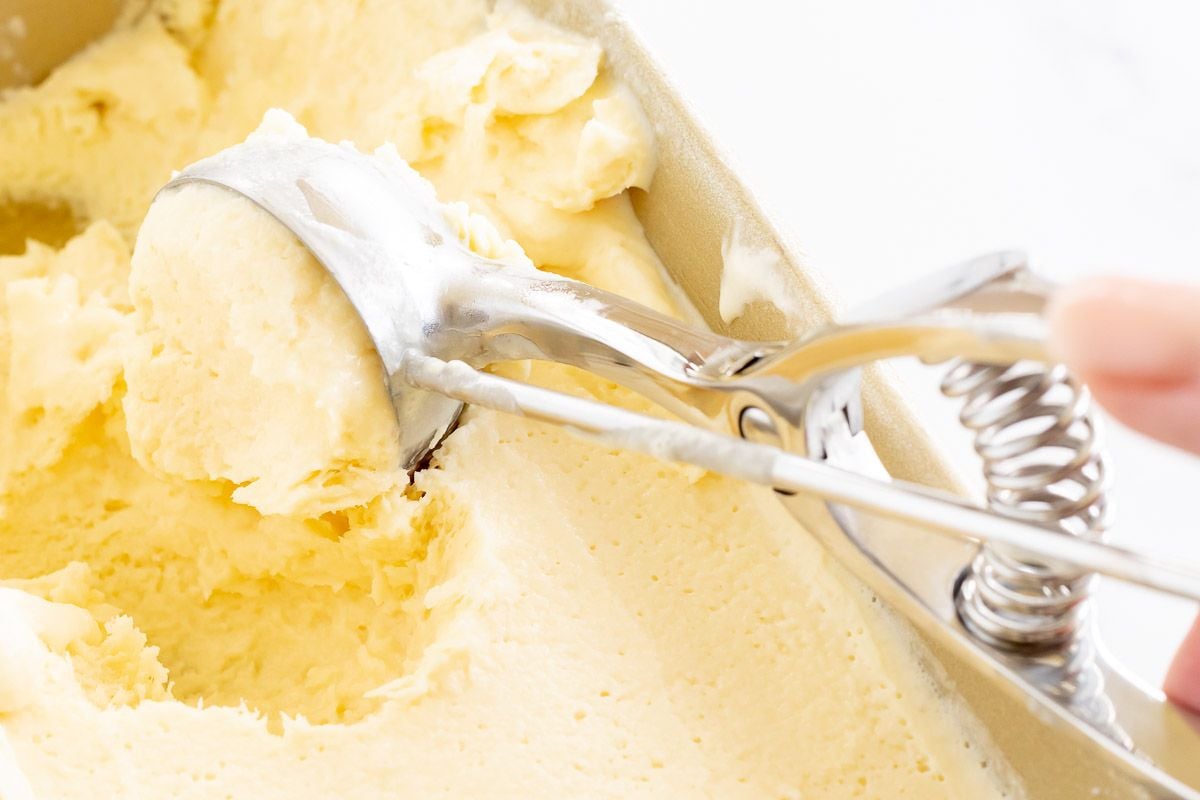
(217, 583)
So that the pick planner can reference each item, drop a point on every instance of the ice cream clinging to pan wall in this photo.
(216, 580)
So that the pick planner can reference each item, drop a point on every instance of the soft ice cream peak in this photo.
(215, 580)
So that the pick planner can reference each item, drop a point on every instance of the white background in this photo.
(894, 137)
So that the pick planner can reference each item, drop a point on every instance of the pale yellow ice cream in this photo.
(217, 582)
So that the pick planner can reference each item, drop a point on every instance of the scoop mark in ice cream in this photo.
(48, 223)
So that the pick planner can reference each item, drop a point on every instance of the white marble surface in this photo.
(893, 137)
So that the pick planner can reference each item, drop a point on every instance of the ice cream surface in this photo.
(217, 582)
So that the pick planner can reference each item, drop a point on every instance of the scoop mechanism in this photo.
(780, 414)
(438, 313)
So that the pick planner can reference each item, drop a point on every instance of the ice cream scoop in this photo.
(782, 414)
(438, 313)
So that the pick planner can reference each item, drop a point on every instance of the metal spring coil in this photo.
(1043, 464)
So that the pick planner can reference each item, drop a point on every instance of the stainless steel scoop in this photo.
(781, 414)
(427, 300)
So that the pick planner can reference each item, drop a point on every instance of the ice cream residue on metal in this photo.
(751, 274)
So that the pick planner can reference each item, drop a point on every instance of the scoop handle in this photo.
(989, 309)
(497, 312)
(935, 511)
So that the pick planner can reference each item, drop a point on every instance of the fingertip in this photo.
(1126, 328)
(1166, 411)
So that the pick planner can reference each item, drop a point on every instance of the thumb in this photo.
(1137, 346)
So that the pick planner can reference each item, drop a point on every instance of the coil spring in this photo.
(1042, 461)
